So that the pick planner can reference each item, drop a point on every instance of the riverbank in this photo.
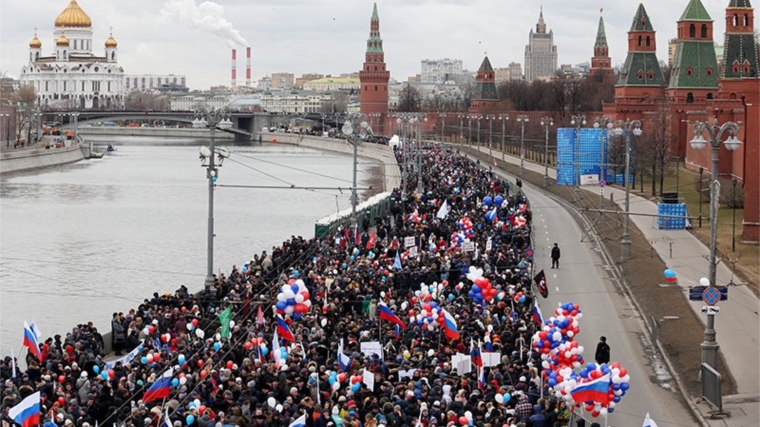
(104, 131)
(29, 159)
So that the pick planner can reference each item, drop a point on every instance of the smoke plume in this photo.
(207, 16)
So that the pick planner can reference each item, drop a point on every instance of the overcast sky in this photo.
(328, 36)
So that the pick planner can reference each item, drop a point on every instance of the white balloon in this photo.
(336, 386)
(281, 297)
(468, 415)
(323, 322)
(404, 305)
(272, 402)
(278, 408)
(490, 328)
(431, 352)
(183, 380)
(199, 333)
(217, 337)
(704, 281)
(289, 310)
(232, 323)
(197, 403)
(299, 299)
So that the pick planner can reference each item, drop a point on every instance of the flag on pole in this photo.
(481, 377)
(397, 262)
(343, 360)
(450, 326)
(357, 238)
(372, 240)
(488, 345)
(648, 422)
(299, 422)
(443, 212)
(537, 314)
(540, 280)
(30, 341)
(260, 317)
(276, 354)
(167, 421)
(224, 318)
(13, 364)
(387, 315)
(284, 330)
(475, 354)
(596, 390)
(36, 330)
(27, 413)
(159, 389)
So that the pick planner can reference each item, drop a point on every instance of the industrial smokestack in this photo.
(234, 67)
(248, 66)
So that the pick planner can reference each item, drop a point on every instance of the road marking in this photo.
(557, 288)
(546, 232)
(555, 276)
(547, 239)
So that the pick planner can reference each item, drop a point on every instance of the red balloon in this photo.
(274, 140)
(156, 357)
(200, 363)
(111, 373)
(202, 409)
(195, 322)
(151, 329)
(61, 401)
(61, 379)
(203, 374)
(463, 421)
(411, 313)
(324, 309)
(247, 345)
(229, 364)
(623, 372)
(69, 349)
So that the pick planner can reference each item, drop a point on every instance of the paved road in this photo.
(582, 280)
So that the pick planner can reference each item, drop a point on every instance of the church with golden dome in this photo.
(72, 76)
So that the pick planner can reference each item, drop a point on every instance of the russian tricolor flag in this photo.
(481, 378)
(31, 340)
(597, 390)
(284, 331)
(450, 326)
(537, 315)
(27, 413)
(475, 354)
(387, 315)
(343, 360)
(488, 345)
(159, 389)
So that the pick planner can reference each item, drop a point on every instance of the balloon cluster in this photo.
(497, 201)
(336, 379)
(151, 358)
(561, 355)
(670, 276)
(466, 420)
(293, 299)
(519, 297)
(492, 216)
(465, 225)
(481, 291)
(430, 316)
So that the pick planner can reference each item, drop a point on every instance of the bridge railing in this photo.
(375, 206)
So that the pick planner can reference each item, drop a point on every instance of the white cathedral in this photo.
(72, 76)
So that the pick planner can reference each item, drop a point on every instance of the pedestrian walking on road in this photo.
(555, 256)
(602, 351)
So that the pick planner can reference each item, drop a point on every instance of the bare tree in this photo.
(146, 101)
(656, 146)
(24, 98)
(409, 99)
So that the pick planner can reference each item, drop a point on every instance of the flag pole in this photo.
(13, 364)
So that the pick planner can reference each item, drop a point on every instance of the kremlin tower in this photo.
(485, 92)
(374, 77)
(601, 65)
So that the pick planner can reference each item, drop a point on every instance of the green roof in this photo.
(601, 35)
(486, 91)
(485, 65)
(697, 57)
(740, 50)
(645, 62)
(739, 3)
(695, 11)
(641, 20)
(375, 16)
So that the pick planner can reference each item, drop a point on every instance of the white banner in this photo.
(409, 373)
(468, 246)
(126, 359)
(490, 359)
(409, 242)
(369, 380)
(372, 347)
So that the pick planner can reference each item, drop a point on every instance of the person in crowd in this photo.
(555, 256)
(602, 354)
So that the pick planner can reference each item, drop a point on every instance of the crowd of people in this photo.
(232, 378)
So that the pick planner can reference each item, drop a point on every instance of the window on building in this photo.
(641, 75)
(736, 20)
(709, 96)
(651, 75)
(689, 98)
(375, 88)
(689, 71)
(746, 20)
(692, 31)
(64, 85)
(648, 41)
(640, 38)
(704, 31)
(709, 71)
(83, 86)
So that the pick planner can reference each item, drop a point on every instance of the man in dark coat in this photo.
(602, 351)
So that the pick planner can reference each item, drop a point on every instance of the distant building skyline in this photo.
(540, 53)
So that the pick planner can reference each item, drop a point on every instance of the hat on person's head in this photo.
(603, 338)
(68, 423)
(352, 413)
(59, 416)
(340, 399)
(83, 374)
(351, 403)
(522, 379)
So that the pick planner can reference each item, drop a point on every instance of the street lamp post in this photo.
(469, 128)
(443, 125)
(348, 130)
(733, 221)
(490, 118)
(478, 117)
(461, 128)
(602, 122)
(214, 118)
(522, 119)
(578, 121)
(419, 120)
(546, 122)
(503, 118)
(7, 118)
(629, 129)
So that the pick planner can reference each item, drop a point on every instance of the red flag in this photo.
(372, 241)
(260, 317)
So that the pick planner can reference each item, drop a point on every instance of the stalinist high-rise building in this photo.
(540, 53)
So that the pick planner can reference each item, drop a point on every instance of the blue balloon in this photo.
(625, 386)
(264, 351)
(283, 352)
(488, 201)
(96, 369)
(344, 265)
(507, 396)
(352, 258)
(331, 380)
(499, 200)
(476, 289)
(297, 317)
(296, 273)
(294, 288)
(522, 299)
(181, 359)
(291, 301)
(190, 419)
(104, 375)
(175, 382)
(144, 360)
(281, 305)
(356, 386)
(217, 346)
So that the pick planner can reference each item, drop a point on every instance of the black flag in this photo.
(540, 280)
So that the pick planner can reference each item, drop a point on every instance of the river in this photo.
(82, 241)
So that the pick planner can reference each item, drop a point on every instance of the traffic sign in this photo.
(711, 296)
(529, 252)
(695, 293)
(710, 309)
(723, 293)
(602, 183)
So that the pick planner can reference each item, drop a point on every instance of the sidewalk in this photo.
(737, 326)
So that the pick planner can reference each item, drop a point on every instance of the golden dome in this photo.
(35, 42)
(110, 41)
(62, 41)
(73, 16)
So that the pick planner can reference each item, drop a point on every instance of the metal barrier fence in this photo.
(375, 206)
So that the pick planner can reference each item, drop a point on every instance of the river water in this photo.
(82, 241)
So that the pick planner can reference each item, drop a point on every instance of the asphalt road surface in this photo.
(581, 279)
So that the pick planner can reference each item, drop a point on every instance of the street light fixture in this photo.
(503, 118)
(546, 122)
(601, 122)
(522, 119)
(359, 120)
(628, 128)
(715, 132)
(490, 118)
(213, 119)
